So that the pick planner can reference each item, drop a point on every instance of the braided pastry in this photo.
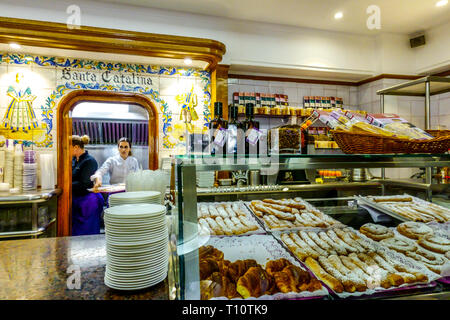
(376, 232)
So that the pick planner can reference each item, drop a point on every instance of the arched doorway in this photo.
(64, 131)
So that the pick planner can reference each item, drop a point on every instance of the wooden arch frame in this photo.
(64, 131)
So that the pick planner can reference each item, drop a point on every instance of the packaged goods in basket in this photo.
(409, 207)
(351, 264)
(415, 240)
(253, 267)
(285, 139)
(397, 125)
(290, 213)
(226, 218)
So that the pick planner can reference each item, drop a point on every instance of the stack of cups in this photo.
(8, 169)
(47, 171)
(29, 171)
(18, 166)
(2, 164)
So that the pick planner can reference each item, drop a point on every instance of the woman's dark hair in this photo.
(124, 139)
(80, 141)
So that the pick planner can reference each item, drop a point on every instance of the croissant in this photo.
(222, 286)
(207, 267)
(238, 268)
(210, 251)
(254, 283)
(291, 278)
(276, 265)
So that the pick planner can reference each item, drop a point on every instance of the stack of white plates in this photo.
(137, 249)
(205, 179)
(134, 197)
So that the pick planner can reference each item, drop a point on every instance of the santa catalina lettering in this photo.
(131, 79)
(199, 310)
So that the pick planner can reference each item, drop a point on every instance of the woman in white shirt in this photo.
(118, 166)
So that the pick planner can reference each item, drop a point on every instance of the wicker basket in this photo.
(363, 143)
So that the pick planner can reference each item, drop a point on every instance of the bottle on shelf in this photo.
(236, 132)
(218, 130)
(252, 133)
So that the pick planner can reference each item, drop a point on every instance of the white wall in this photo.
(259, 44)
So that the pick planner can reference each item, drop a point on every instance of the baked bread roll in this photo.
(414, 230)
(435, 243)
(393, 199)
(333, 283)
(376, 232)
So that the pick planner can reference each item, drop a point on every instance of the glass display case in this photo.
(338, 200)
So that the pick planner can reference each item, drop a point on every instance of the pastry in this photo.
(213, 211)
(249, 224)
(376, 232)
(226, 230)
(399, 245)
(286, 202)
(447, 255)
(312, 244)
(414, 230)
(207, 267)
(340, 242)
(276, 265)
(209, 251)
(338, 248)
(354, 277)
(349, 285)
(298, 251)
(393, 199)
(291, 278)
(237, 269)
(328, 279)
(321, 243)
(302, 244)
(214, 226)
(282, 208)
(345, 236)
(435, 243)
(254, 283)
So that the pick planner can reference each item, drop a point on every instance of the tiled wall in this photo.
(44, 77)
(362, 97)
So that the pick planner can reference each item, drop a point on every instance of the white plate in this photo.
(144, 285)
(135, 210)
(150, 257)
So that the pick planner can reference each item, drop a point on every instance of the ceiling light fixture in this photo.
(441, 3)
(14, 46)
(338, 15)
(188, 61)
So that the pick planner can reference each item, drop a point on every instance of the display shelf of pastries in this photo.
(226, 219)
(408, 208)
(255, 266)
(416, 240)
(351, 264)
(294, 213)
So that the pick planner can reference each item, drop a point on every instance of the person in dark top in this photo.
(86, 206)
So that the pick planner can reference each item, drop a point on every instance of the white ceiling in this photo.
(397, 16)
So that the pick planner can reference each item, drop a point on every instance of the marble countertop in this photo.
(49, 268)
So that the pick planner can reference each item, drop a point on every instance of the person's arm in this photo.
(98, 175)
(80, 186)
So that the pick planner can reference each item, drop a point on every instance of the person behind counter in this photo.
(86, 206)
(118, 166)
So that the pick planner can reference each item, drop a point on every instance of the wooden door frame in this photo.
(64, 131)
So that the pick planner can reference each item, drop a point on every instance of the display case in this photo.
(28, 215)
(338, 201)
